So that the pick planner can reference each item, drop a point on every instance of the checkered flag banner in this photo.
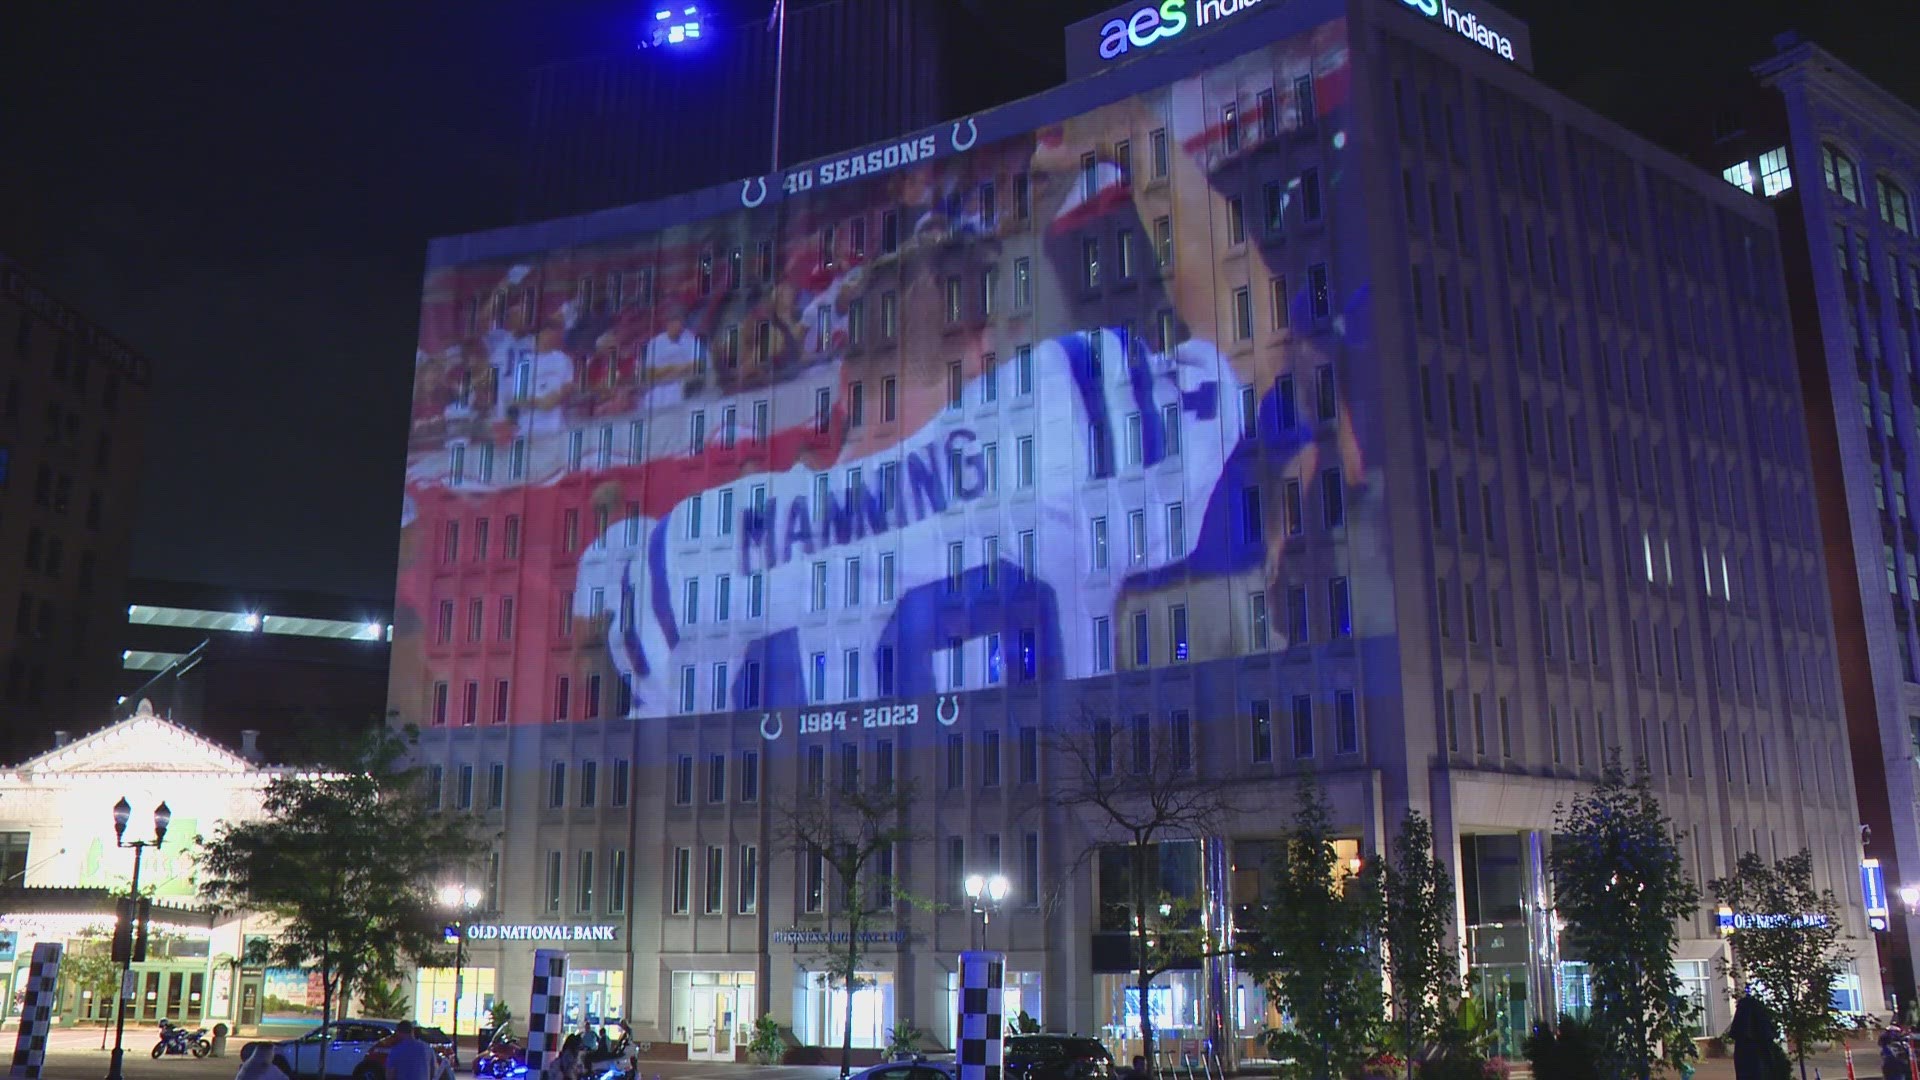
(981, 1048)
(545, 1018)
(36, 1012)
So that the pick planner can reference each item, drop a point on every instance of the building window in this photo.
(617, 881)
(1260, 730)
(583, 883)
(1775, 174)
(749, 880)
(1841, 174)
(683, 780)
(1302, 727)
(716, 873)
(553, 881)
(682, 880)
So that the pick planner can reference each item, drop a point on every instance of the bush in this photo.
(1572, 1053)
(768, 1045)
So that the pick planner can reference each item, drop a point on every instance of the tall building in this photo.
(1303, 386)
(276, 672)
(1839, 157)
(637, 124)
(71, 423)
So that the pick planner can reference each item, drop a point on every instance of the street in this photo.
(75, 1054)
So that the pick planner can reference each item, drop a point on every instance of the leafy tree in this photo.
(1417, 915)
(1311, 940)
(89, 966)
(849, 830)
(1621, 886)
(1141, 800)
(346, 859)
(1786, 944)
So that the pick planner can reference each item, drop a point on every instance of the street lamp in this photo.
(462, 899)
(985, 894)
(162, 817)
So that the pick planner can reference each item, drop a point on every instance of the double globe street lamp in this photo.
(125, 930)
(985, 893)
(461, 899)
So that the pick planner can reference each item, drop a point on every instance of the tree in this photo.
(89, 966)
(1786, 944)
(1621, 887)
(1417, 915)
(346, 859)
(1154, 796)
(1312, 941)
(851, 831)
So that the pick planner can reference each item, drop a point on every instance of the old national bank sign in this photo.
(543, 932)
(1137, 27)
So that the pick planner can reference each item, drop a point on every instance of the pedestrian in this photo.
(566, 1064)
(257, 1063)
(1894, 1053)
(409, 1058)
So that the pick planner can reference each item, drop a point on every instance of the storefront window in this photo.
(1846, 989)
(1693, 975)
(713, 1012)
(595, 997)
(822, 1010)
(1020, 993)
(1174, 998)
(433, 998)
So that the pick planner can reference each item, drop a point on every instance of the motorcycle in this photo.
(503, 1057)
(176, 1040)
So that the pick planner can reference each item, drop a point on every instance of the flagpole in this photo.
(779, 73)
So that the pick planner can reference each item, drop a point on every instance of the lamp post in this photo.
(985, 893)
(462, 899)
(162, 817)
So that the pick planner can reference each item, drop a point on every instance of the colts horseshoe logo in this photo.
(973, 134)
(947, 711)
(773, 733)
(755, 200)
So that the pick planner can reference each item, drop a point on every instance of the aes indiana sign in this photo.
(1142, 26)
(543, 932)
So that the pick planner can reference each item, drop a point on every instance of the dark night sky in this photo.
(245, 191)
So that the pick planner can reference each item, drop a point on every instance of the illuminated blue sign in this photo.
(675, 25)
(1123, 32)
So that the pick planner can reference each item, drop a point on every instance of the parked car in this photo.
(1057, 1057)
(917, 1069)
(347, 1043)
(374, 1065)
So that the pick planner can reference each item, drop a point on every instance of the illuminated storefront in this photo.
(64, 870)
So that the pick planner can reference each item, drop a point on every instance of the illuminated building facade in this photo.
(1839, 159)
(63, 874)
(1316, 393)
(72, 418)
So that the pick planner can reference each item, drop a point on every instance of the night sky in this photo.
(245, 191)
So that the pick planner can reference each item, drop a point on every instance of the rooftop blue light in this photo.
(671, 28)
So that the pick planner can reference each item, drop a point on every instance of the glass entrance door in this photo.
(710, 1033)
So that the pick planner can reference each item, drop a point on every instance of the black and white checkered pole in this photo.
(545, 1017)
(36, 1012)
(982, 1016)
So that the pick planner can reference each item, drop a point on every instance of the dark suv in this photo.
(1057, 1057)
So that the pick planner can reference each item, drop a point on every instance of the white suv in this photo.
(346, 1043)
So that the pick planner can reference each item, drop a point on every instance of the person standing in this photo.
(409, 1058)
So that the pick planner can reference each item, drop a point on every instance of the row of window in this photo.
(617, 882)
(69, 367)
(1842, 177)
